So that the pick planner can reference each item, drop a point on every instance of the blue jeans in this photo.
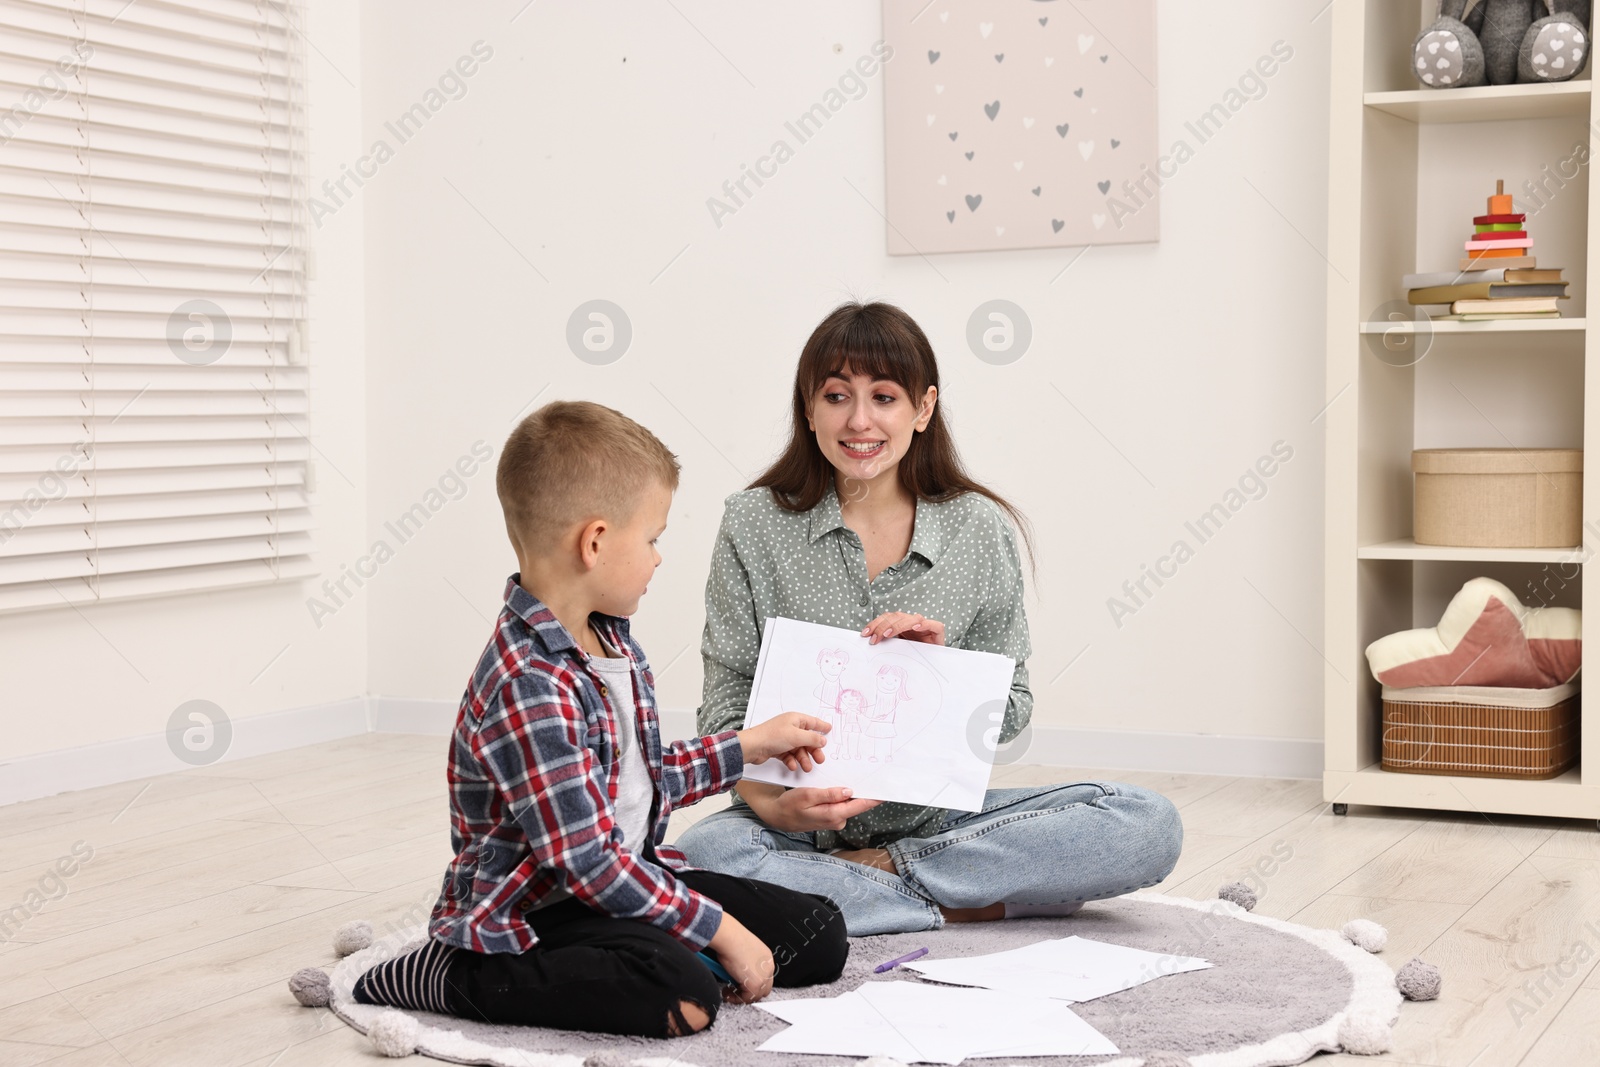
(1041, 845)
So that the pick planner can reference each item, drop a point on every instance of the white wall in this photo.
(577, 166)
(116, 671)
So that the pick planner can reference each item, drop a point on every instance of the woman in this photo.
(868, 520)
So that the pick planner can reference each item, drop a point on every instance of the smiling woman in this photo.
(869, 520)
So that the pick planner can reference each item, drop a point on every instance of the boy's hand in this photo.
(746, 958)
(794, 737)
(904, 624)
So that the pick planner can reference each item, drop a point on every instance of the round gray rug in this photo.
(1276, 995)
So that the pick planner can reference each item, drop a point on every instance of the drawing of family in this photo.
(853, 715)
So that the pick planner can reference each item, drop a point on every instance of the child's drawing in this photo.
(899, 712)
(891, 692)
(877, 698)
(846, 740)
(830, 661)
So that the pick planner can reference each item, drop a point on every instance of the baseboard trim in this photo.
(147, 755)
(409, 715)
(64, 770)
(1229, 754)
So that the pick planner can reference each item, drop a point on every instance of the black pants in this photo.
(623, 976)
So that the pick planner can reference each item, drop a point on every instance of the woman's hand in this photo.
(804, 809)
(794, 737)
(745, 957)
(906, 625)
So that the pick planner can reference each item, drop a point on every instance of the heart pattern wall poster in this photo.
(1019, 124)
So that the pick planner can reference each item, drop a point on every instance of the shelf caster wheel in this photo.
(1344, 809)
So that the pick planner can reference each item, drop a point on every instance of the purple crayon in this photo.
(898, 960)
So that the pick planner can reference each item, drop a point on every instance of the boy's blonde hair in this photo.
(572, 461)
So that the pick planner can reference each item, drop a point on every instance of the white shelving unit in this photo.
(1408, 170)
(1500, 326)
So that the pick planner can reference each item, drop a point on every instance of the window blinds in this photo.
(153, 387)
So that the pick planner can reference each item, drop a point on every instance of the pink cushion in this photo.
(1486, 637)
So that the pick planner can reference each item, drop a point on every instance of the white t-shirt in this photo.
(635, 790)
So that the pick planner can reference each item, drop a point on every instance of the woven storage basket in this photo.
(1480, 731)
(1498, 497)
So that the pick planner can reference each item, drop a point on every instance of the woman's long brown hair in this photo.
(884, 342)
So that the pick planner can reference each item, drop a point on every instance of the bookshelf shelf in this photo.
(1493, 326)
(1484, 103)
(1406, 548)
(1562, 797)
(1408, 169)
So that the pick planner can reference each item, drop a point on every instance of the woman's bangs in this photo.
(872, 356)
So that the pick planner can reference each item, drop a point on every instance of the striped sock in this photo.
(415, 981)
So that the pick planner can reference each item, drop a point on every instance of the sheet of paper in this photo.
(837, 1026)
(952, 1021)
(915, 1022)
(1074, 969)
(912, 722)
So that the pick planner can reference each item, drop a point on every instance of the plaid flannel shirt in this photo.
(533, 780)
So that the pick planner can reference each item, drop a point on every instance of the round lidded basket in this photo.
(1498, 497)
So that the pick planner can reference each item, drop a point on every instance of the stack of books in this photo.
(1497, 293)
(1499, 277)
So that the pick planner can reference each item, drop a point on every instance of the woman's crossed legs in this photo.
(1054, 844)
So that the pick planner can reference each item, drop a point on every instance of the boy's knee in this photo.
(687, 1018)
(835, 948)
(818, 951)
(690, 992)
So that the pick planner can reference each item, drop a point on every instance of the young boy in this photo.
(562, 907)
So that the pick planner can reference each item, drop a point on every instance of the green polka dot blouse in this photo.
(962, 569)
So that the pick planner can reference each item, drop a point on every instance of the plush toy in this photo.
(1447, 54)
(1500, 42)
(1505, 23)
(1555, 47)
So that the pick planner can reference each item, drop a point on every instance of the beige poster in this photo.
(1019, 124)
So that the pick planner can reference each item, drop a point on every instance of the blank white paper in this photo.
(1073, 969)
(955, 1021)
(920, 1023)
(911, 722)
(837, 1026)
